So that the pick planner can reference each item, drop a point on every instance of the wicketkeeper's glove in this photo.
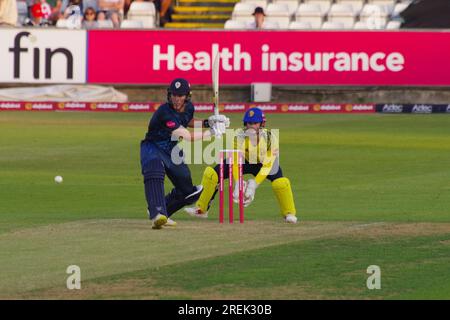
(250, 191)
(236, 190)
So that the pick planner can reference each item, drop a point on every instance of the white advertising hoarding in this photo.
(42, 56)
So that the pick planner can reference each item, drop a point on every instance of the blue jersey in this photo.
(164, 121)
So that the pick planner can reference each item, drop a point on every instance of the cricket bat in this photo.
(215, 82)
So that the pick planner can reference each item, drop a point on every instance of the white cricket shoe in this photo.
(159, 221)
(290, 218)
(196, 212)
(170, 223)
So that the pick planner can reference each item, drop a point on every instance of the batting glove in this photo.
(217, 130)
(212, 120)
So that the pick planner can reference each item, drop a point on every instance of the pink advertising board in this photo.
(280, 57)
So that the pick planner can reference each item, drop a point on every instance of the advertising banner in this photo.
(199, 107)
(362, 58)
(42, 56)
(413, 108)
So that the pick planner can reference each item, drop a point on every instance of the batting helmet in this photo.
(254, 115)
(179, 87)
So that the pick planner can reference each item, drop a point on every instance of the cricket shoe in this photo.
(159, 221)
(290, 218)
(196, 212)
(170, 223)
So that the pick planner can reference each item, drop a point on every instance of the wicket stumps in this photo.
(228, 156)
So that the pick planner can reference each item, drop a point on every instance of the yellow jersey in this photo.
(258, 148)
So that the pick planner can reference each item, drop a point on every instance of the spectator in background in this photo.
(73, 14)
(8, 13)
(40, 13)
(73, 7)
(101, 16)
(58, 7)
(30, 4)
(427, 14)
(46, 9)
(51, 9)
(90, 3)
(90, 19)
(164, 7)
(126, 6)
(36, 15)
(113, 10)
(259, 19)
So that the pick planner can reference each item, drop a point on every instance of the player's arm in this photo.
(271, 145)
(210, 122)
(200, 123)
(182, 132)
(238, 144)
(266, 168)
(252, 184)
(268, 162)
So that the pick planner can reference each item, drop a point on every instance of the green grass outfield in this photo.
(369, 189)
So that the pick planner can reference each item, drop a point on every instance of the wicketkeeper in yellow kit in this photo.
(259, 146)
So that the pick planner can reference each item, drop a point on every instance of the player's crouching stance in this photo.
(252, 139)
(167, 126)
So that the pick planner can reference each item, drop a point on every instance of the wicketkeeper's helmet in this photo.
(255, 115)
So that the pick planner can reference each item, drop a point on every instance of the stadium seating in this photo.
(292, 5)
(387, 3)
(355, 4)
(243, 11)
(342, 13)
(370, 25)
(131, 24)
(327, 25)
(257, 3)
(278, 13)
(382, 2)
(399, 7)
(393, 25)
(143, 11)
(324, 4)
(61, 23)
(300, 25)
(360, 25)
(374, 16)
(324, 14)
(104, 24)
(235, 24)
(311, 13)
(272, 25)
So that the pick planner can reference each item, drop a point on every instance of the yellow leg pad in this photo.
(282, 189)
(209, 182)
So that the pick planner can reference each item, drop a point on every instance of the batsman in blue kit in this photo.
(167, 126)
